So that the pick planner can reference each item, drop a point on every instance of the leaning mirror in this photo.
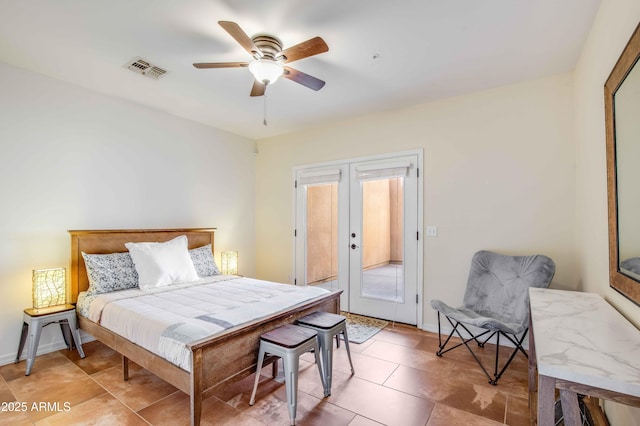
(622, 110)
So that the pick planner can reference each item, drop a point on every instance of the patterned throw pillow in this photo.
(110, 272)
(204, 262)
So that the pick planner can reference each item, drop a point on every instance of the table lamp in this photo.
(229, 263)
(49, 287)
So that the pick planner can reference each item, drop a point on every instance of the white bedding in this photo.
(164, 320)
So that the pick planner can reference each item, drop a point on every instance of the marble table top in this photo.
(581, 338)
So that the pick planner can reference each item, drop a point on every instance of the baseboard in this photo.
(42, 349)
(56, 345)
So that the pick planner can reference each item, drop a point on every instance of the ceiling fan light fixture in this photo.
(266, 71)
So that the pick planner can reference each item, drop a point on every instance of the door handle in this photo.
(353, 246)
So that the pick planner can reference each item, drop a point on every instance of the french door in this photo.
(357, 230)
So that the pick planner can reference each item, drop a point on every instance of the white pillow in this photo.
(162, 264)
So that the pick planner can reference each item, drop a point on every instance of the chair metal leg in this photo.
(441, 345)
(440, 351)
(255, 383)
(346, 345)
(495, 371)
(493, 379)
(466, 344)
(291, 365)
(326, 381)
(439, 333)
(518, 344)
(23, 340)
(35, 329)
(481, 344)
(66, 335)
(326, 350)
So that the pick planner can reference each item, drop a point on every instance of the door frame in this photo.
(420, 202)
(407, 309)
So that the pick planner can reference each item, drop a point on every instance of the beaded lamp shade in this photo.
(49, 287)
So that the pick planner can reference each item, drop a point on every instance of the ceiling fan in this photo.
(269, 59)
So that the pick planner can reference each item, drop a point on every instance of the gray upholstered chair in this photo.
(496, 301)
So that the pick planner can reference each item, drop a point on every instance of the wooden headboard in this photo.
(113, 240)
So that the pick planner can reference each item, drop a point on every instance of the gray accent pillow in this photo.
(110, 272)
(205, 264)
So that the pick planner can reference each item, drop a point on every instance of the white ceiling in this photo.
(428, 49)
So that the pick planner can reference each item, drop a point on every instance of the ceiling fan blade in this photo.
(302, 78)
(240, 36)
(204, 65)
(305, 49)
(258, 88)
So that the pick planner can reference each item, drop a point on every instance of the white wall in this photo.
(75, 159)
(609, 34)
(498, 174)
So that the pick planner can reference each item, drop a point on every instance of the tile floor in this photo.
(398, 381)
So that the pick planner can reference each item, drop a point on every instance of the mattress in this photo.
(165, 320)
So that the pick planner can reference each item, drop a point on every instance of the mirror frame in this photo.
(624, 284)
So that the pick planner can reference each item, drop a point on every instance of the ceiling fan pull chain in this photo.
(264, 119)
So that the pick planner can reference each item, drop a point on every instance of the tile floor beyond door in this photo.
(399, 381)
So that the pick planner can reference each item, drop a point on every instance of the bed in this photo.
(228, 356)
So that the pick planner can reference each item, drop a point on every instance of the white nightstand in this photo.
(36, 319)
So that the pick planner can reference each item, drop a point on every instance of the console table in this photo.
(579, 344)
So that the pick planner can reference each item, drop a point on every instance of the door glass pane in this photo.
(322, 236)
(382, 240)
